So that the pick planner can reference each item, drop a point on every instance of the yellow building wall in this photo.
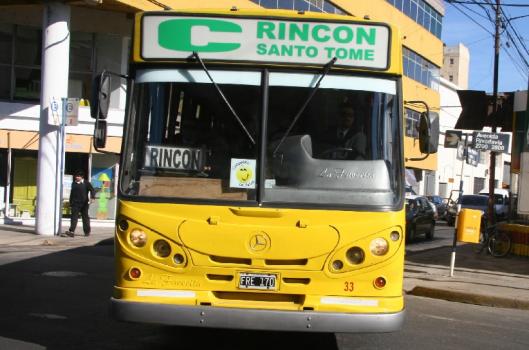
(418, 39)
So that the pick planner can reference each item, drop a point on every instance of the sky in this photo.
(457, 28)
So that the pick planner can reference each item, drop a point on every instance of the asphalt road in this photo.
(58, 300)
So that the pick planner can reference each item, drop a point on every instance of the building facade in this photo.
(452, 165)
(456, 63)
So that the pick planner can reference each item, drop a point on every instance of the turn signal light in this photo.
(379, 282)
(134, 273)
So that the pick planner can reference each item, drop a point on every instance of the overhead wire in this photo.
(518, 42)
(473, 2)
(472, 19)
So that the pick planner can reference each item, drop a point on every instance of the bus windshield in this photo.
(184, 142)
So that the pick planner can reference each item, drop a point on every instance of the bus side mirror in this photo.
(100, 134)
(100, 101)
(428, 133)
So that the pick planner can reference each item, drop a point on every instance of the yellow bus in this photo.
(262, 166)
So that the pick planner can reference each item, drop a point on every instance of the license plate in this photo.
(261, 281)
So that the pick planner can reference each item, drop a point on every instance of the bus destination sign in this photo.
(488, 141)
(174, 158)
(362, 45)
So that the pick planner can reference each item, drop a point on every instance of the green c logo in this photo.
(176, 34)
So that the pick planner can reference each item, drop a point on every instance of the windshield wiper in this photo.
(197, 57)
(326, 69)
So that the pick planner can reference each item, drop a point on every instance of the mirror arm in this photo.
(416, 159)
(419, 102)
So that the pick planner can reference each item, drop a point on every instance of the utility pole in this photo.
(492, 164)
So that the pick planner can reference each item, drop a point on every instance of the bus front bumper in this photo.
(255, 319)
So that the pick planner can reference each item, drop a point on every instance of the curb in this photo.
(469, 298)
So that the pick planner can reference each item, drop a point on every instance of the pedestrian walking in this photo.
(81, 195)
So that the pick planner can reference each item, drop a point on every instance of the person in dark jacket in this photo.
(81, 195)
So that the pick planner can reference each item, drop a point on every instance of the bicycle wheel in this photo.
(499, 244)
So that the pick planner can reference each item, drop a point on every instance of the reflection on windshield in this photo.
(340, 151)
(186, 143)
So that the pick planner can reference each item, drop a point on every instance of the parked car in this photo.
(419, 217)
(440, 205)
(501, 202)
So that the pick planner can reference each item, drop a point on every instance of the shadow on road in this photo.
(60, 301)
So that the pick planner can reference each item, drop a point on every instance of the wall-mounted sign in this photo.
(72, 111)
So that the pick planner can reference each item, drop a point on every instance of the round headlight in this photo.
(162, 248)
(178, 259)
(394, 236)
(138, 238)
(355, 255)
(337, 265)
(123, 225)
(379, 246)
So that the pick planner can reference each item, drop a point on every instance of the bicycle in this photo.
(498, 243)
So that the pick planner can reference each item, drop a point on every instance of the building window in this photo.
(301, 5)
(422, 13)
(420, 69)
(20, 63)
(451, 61)
(451, 77)
(412, 122)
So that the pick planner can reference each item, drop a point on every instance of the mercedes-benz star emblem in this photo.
(259, 242)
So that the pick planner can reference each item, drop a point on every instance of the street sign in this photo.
(461, 151)
(488, 141)
(472, 156)
(55, 111)
(452, 138)
(72, 111)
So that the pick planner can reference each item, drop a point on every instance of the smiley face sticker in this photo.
(242, 174)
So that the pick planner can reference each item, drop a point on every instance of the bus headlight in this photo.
(394, 236)
(355, 255)
(138, 238)
(379, 246)
(161, 248)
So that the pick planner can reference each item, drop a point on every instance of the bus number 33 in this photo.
(348, 286)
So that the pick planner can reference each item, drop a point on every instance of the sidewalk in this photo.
(24, 235)
(478, 278)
